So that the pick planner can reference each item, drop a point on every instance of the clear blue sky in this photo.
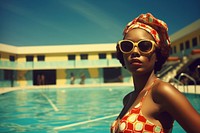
(64, 22)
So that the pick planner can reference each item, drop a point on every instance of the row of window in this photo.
(186, 45)
(85, 56)
(30, 58)
(182, 46)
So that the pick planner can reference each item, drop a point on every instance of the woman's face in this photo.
(135, 61)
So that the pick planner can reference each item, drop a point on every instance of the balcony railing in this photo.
(59, 64)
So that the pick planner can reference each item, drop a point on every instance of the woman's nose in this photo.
(135, 52)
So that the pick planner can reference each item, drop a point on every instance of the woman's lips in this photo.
(136, 62)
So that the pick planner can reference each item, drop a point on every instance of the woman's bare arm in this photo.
(178, 106)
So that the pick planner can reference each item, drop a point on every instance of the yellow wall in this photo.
(21, 58)
(6, 56)
(53, 57)
(109, 56)
(189, 38)
(21, 80)
(48, 57)
(61, 77)
(93, 56)
(94, 73)
(56, 57)
(78, 57)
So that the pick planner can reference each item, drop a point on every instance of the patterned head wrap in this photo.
(157, 28)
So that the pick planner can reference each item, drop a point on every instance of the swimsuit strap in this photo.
(148, 90)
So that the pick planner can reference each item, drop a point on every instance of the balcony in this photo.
(59, 64)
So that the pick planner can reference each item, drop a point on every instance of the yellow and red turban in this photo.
(157, 28)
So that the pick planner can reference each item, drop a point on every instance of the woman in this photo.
(153, 105)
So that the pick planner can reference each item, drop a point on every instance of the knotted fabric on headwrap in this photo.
(157, 28)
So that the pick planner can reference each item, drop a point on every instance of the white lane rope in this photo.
(84, 122)
(51, 103)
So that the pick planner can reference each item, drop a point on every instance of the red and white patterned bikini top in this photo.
(135, 122)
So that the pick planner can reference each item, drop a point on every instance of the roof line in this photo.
(186, 30)
(82, 48)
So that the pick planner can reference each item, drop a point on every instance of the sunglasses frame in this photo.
(135, 44)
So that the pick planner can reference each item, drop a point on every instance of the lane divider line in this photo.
(51, 103)
(84, 122)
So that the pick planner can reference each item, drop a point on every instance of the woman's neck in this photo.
(142, 81)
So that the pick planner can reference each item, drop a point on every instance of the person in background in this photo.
(82, 78)
(72, 78)
(42, 77)
(153, 105)
(38, 79)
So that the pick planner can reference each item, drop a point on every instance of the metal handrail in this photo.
(189, 77)
(174, 80)
(165, 71)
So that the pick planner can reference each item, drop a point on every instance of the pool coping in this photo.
(9, 89)
(184, 89)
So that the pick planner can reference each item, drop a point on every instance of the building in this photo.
(186, 39)
(78, 64)
(88, 64)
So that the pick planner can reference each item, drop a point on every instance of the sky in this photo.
(72, 22)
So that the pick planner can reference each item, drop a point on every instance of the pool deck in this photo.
(184, 89)
(9, 89)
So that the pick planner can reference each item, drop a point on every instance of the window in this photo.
(71, 57)
(102, 56)
(181, 47)
(113, 55)
(8, 74)
(84, 56)
(174, 49)
(187, 44)
(29, 58)
(12, 58)
(194, 42)
(171, 51)
(40, 58)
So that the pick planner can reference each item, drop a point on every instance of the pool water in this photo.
(72, 110)
(194, 100)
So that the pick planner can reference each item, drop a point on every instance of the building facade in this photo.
(186, 40)
(60, 65)
(78, 64)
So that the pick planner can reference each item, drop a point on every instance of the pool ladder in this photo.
(178, 82)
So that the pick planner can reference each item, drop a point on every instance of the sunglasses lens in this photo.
(145, 46)
(126, 46)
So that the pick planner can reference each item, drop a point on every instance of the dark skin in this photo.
(164, 103)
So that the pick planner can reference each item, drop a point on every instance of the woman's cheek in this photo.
(126, 62)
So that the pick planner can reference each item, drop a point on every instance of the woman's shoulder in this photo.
(163, 91)
(163, 87)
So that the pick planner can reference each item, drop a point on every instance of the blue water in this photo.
(34, 111)
(194, 100)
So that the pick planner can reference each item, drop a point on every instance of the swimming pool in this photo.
(71, 110)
